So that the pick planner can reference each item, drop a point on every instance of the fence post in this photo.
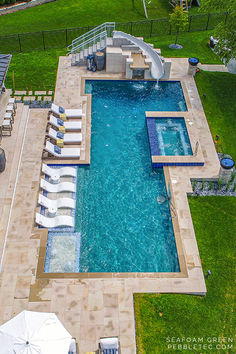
(189, 25)
(43, 40)
(66, 38)
(207, 21)
(19, 42)
(151, 28)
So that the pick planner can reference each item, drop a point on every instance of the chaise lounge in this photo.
(56, 173)
(62, 153)
(68, 138)
(70, 113)
(57, 188)
(57, 221)
(57, 123)
(109, 345)
(53, 205)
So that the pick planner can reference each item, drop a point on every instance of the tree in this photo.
(178, 20)
(225, 31)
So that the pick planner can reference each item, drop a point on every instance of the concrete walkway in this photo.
(209, 67)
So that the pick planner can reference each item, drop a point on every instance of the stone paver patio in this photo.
(92, 307)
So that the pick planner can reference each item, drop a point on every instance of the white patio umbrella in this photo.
(34, 333)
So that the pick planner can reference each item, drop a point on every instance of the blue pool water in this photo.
(172, 137)
(124, 226)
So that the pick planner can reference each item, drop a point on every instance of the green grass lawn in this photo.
(195, 44)
(35, 70)
(80, 13)
(220, 107)
(163, 316)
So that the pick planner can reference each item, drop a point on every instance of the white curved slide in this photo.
(56, 221)
(157, 69)
(56, 173)
(70, 113)
(57, 188)
(68, 125)
(68, 138)
(53, 205)
(63, 153)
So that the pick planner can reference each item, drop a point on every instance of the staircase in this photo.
(89, 43)
(183, 3)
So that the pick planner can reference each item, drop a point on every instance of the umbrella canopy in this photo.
(34, 333)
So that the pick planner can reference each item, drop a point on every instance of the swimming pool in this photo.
(168, 136)
(123, 226)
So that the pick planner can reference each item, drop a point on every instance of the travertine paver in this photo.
(89, 308)
(50, 92)
(39, 98)
(20, 93)
(40, 93)
(30, 93)
(28, 98)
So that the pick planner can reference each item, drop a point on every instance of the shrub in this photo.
(7, 1)
(12, 1)
(219, 184)
(234, 189)
(194, 185)
(210, 185)
(228, 186)
(2, 2)
(203, 184)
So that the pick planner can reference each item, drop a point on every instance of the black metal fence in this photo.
(23, 42)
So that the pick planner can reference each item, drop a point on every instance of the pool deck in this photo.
(89, 308)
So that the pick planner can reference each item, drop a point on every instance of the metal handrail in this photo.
(92, 33)
(81, 46)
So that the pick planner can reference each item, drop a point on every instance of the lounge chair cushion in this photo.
(60, 135)
(60, 121)
(57, 149)
(61, 109)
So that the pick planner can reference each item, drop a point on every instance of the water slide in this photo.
(157, 69)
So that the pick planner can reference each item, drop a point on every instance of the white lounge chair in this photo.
(62, 153)
(57, 188)
(75, 126)
(53, 205)
(56, 173)
(70, 113)
(57, 221)
(109, 345)
(68, 138)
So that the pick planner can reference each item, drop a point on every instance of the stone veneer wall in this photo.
(23, 6)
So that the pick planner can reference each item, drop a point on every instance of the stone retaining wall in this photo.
(23, 6)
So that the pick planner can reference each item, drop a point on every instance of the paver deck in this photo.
(92, 307)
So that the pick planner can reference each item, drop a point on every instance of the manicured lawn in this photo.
(36, 70)
(220, 107)
(160, 317)
(80, 13)
(195, 44)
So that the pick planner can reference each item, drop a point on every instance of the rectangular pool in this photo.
(122, 210)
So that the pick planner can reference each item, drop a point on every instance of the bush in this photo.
(210, 185)
(2, 2)
(7, 1)
(13, 1)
